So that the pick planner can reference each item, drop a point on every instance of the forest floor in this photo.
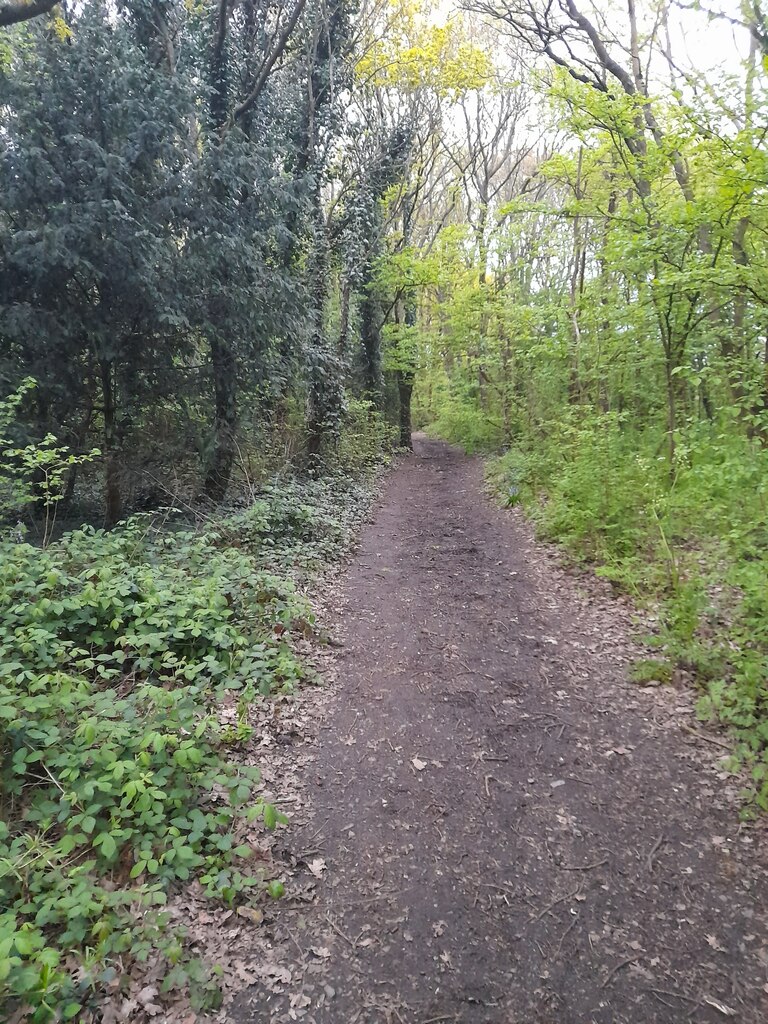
(493, 826)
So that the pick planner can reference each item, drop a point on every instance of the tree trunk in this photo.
(113, 500)
(405, 378)
(404, 392)
(346, 297)
(576, 289)
(320, 399)
(225, 421)
(370, 331)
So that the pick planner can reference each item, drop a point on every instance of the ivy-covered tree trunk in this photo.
(405, 377)
(346, 301)
(319, 397)
(370, 336)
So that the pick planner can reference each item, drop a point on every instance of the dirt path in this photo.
(507, 832)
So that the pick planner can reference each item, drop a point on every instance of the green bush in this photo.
(464, 424)
(366, 439)
(694, 543)
(119, 781)
(295, 525)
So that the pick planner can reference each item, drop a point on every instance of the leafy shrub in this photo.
(695, 543)
(366, 439)
(118, 779)
(298, 524)
(465, 424)
(33, 472)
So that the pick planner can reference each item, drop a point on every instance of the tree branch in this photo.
(12, 14)
(270, 61)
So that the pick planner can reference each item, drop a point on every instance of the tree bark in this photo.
(113, 498)
(224, 370)
(370, 331)
(318, 399)
(346, 297)
(404, 393)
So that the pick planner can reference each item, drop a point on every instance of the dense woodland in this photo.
(238, 242)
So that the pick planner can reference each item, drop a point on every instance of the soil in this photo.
(498, 827)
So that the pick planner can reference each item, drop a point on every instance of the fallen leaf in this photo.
(321, 952)
(317, 866)
(276, 973)
(250, 914)
(418, 764)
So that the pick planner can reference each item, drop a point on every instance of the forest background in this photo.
(244, 249)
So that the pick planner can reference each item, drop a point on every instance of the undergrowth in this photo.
(119, 781)
(696, 544)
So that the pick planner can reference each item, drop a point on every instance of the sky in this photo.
(699, 43)
(709, 44)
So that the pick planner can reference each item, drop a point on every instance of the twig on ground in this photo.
(475, 672)
(570, 928)
(339, 931)
(619, 966)
(704, 736)
(298, 947)
(500, 888)
(584, 867)
(727, 1011)
(560, 899)
(654, 850)
(675, 995)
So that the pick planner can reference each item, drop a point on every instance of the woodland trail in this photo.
(511, 832)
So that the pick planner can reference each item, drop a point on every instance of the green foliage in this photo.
(120, 778)
(15, 485)
(649, 670)
(463, 424)
(35, 472)
(298, 525)
(696, 546)
(601, 324)
(366, 440)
